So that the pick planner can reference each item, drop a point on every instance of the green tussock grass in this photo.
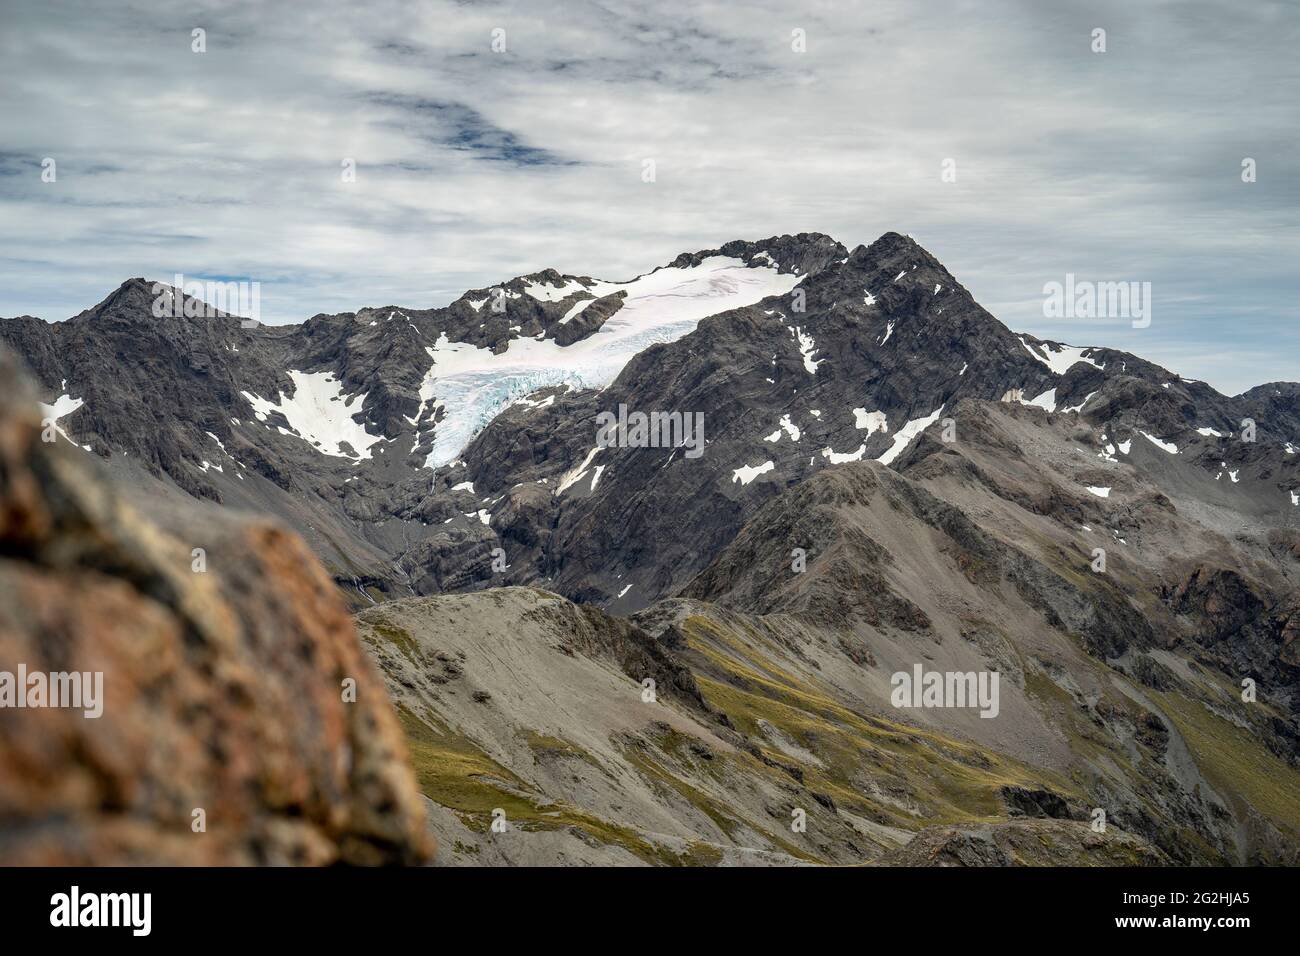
(453, 772)
(1235, 762)
(936, 779)
(399, 637)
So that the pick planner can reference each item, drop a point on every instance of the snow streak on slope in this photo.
(320, 415)
(63, 406)
(1059, 357)
(1167, 446)
(904, 435)
(473, 385)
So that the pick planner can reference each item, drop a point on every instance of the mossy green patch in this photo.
(1234, 761)
(544, 746)
(920, 777)
(454, 772)
(399, 637)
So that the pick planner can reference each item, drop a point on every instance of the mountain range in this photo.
(631, 653)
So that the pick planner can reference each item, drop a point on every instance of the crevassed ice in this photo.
(473, 385)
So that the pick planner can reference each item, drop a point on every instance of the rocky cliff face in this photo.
(406, 444)
(239, 722)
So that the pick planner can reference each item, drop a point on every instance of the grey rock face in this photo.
(869, 340)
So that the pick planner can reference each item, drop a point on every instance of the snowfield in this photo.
(318, 412)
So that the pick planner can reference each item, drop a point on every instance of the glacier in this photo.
(472, 385)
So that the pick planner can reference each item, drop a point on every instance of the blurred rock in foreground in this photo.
(225, 736)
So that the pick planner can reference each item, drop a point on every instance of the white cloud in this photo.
(475, 166)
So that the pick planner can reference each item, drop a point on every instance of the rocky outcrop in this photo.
(240, 721)
(1025, 843)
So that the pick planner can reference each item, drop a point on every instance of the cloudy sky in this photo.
(475, 165)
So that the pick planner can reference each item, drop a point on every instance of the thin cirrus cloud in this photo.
(474, 165)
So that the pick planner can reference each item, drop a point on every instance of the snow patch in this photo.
(747, 473)
(575, 310)
(573, 475)
(872, 421)
(807, 346)
(63, 406)
(839, 458)
(1168, 446)
(1078, 408)
(905, 435)
(318, 413)
(1046, 401)
(550, 293)
(1058, 357)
